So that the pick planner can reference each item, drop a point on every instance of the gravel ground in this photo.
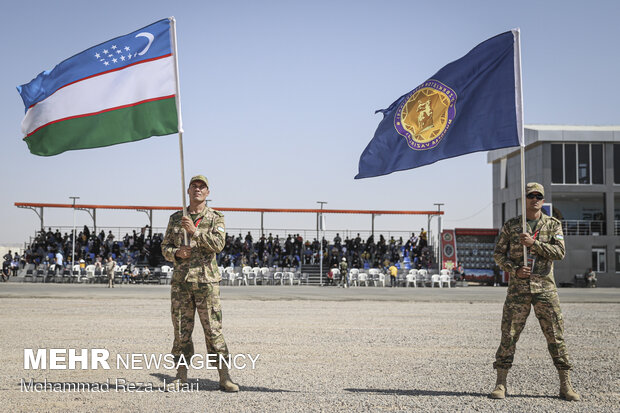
(319, 350)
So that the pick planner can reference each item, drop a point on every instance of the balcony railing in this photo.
(616, 227)
(581, 227)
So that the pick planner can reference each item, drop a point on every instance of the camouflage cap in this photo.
(534, 187)
(200, 178)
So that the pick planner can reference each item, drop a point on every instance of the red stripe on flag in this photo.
(96, 113)
(104, 73)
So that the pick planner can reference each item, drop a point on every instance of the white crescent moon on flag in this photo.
(148, 36)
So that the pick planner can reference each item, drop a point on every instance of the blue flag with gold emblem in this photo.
(472, 104)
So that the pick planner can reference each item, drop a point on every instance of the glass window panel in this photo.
(601, 261)
(594, 260)
(617, 163)
(598, 164)
(584, 163)
(617, 260)
(570, 164)
(557, 164)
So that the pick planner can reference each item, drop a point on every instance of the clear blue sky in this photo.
(279, 97)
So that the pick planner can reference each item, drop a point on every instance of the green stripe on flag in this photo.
(129, 124)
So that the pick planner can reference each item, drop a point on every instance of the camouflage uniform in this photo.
(539, 290)
(195, 282)
(344, 279)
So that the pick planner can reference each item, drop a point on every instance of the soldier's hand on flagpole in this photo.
(183, 252)
(188, 225)
(524, 272)
(526, 239)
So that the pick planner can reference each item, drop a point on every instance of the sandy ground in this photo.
(320, 349)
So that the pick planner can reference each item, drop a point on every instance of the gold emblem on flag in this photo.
(426, 114)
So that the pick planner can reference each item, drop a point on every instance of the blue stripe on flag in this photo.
(147, 43)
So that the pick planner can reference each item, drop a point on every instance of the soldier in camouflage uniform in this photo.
(532, 285)
(196, 277)
(344, 279)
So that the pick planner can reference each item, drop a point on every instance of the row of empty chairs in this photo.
(262, 276)
(92, 274)
(376, 278)
(423, 278)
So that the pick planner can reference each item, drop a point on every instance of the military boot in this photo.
(500, 385)
(179, 380)
(566, 389)
(226, 383)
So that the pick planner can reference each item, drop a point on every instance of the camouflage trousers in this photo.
(547, 309)
(186, 299)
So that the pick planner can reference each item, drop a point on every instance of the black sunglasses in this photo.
(537, 196)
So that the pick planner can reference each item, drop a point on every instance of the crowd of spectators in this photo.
(144, 249)
(292, 251)
(52, 248)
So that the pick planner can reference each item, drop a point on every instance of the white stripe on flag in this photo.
(123, 87)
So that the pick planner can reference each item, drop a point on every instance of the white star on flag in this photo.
(97, 55)
(119, 52)
(114, 60)
(106, 63)
(126, 48)
(122, 58)
(105, 51)
(113, 47)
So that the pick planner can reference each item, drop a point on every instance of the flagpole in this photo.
(521, 129)
(177, 98)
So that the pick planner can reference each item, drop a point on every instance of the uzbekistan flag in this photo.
(119, 91)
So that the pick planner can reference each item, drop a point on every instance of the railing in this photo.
(581, 227)
(616, 227)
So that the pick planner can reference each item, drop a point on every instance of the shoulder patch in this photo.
(559, 237)
(557, 221)
(221, 229)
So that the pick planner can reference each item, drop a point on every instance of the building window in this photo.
(617, 259)
(597, 163)
(617, 163)
(503, 212)
(577, 163)
(599, 258)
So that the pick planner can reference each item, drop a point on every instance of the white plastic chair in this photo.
(377, 276)
(444, 278)
(241, 277)
(353, 276)
(246, 272)
(288, 276)
(410, 278)
(278, 277)
(362, 278)
(231, 275)
(425, 276)
(435, 280)
(263, 275)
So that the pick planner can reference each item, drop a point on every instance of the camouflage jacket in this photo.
(548, 246)
(207, 241)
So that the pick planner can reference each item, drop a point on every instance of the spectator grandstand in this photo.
(141, 250)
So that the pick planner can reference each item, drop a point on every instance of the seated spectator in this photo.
(126, 276)
(6, 268)
(590, 277)
(330, 277)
